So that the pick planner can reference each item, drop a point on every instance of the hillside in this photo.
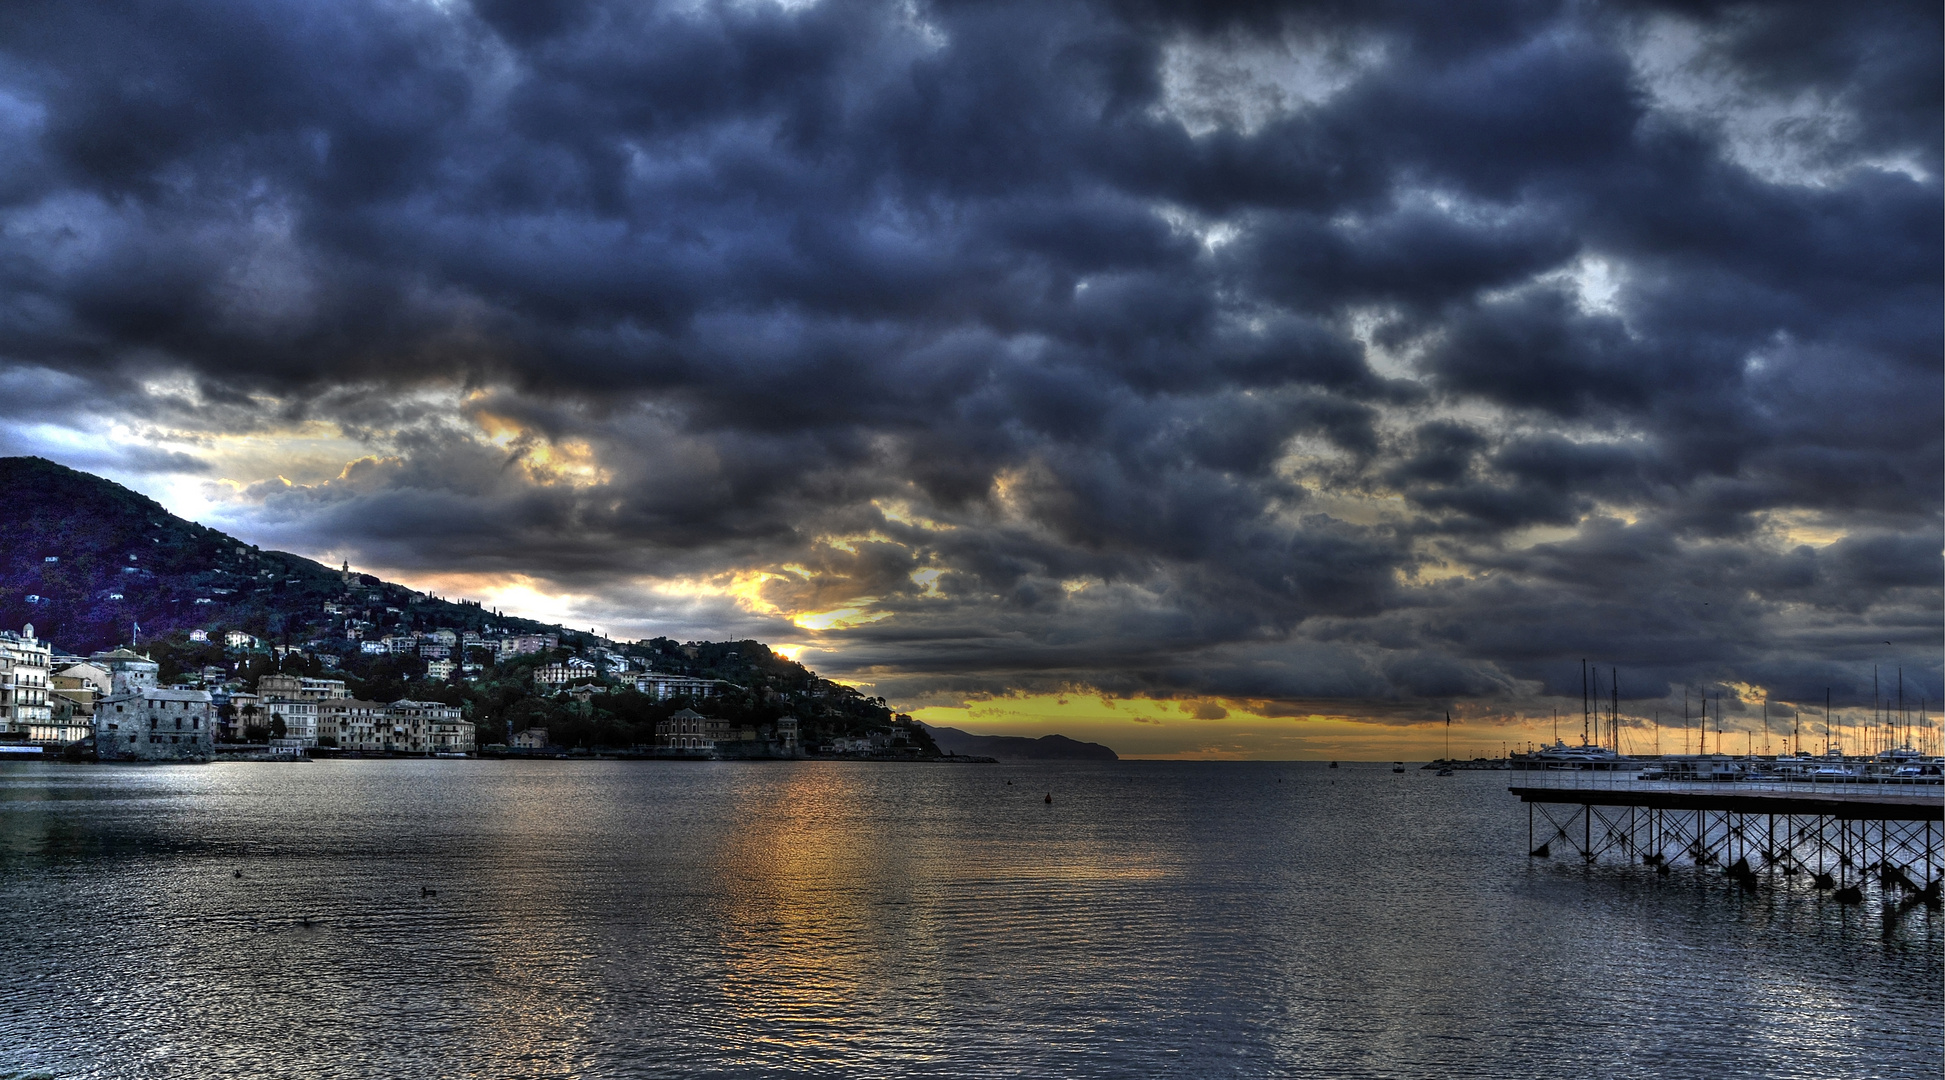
(83, 558)
(1019, 747)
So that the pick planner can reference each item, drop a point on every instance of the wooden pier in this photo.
(1851, 839)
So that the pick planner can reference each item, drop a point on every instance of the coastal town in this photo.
(114, 705)
(373, 679)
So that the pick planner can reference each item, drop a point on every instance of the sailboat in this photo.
(1445, 768)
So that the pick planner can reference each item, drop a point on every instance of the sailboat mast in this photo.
(1583, 701)
(1614, 707)
(1598, 741)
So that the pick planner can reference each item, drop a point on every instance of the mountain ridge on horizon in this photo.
(1019, 747)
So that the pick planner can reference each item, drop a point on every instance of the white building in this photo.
(299, 717)
(661, 687)
(23, 681)
(155, 725)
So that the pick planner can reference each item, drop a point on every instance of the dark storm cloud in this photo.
(1389, 352)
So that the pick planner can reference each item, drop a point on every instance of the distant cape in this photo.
(1019, 747)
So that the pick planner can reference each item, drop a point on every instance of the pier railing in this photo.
(1597, 780)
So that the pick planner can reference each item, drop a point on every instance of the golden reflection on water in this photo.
(806, 880)
(839, 901)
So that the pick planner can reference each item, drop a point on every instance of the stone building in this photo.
(152, 724)
(128, 671)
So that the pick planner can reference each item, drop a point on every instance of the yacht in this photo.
(1582, 758)
(1918, 772)
(1832, 769)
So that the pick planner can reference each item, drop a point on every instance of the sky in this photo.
(1222, 380)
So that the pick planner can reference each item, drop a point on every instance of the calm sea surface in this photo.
(553, 918)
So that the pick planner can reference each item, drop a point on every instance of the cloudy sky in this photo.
(1243, 379)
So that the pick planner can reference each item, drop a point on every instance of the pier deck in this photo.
(1851, 802)
(1855, 839)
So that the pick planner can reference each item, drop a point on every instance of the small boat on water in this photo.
(1397, 766)
(1444, 770)
(1333, 764)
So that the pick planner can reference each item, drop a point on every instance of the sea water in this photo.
(642, 919)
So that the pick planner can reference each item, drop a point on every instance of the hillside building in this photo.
(662, 687)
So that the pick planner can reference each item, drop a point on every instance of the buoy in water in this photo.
(1050, 798)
